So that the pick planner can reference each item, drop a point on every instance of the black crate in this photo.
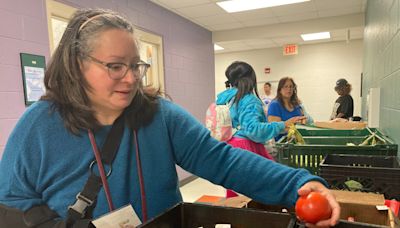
(189, 215)
(378, 174)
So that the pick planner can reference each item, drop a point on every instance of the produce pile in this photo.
(294, 135)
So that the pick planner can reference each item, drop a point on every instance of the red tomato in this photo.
(313, 207)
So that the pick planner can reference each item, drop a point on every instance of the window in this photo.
(150, 46)
(58, 16)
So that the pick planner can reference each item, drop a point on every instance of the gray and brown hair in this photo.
(64, 81)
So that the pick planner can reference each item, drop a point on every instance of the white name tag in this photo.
(124, 217)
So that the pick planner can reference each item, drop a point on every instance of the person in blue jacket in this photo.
(247, 112)
(286, 104)
(93, 79)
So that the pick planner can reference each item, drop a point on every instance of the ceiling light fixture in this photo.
(232, 6)
(316, 36)
(217, 47)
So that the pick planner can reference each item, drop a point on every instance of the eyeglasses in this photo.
(117, 71)
(288, 87)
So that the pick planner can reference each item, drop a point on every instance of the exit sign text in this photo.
(290, 49)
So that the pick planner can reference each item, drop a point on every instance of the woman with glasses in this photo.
(99, 140)
(286, 104)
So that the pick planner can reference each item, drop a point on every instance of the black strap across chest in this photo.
(86, 199)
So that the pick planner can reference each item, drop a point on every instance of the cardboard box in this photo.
(246, 202)
(207, 199)
(363, 207)
(358, 205)
(238, 202)
(341, 125)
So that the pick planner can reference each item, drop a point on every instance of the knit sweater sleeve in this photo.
(20, 164)
(252, 175)
(252, 121)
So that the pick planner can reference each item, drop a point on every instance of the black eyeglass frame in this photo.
(133, 66)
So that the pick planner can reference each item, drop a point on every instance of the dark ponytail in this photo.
(241, 75)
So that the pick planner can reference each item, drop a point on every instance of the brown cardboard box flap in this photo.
(238, 202)
(363, 198)
(341, 125)
(361, 206)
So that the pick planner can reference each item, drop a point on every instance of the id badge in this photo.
(124, 217)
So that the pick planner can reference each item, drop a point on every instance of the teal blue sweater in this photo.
(249, 114)
(43, 163)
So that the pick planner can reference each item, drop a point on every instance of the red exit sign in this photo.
(290, 49)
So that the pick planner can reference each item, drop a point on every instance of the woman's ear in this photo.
(81, 65)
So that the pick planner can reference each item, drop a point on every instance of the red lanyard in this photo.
(101, 170)
(141, 179)
(104, 177)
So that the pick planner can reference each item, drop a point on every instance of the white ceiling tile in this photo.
(298, 17)
(253, 14)
(330, 4)
(260, 21)
(207, 14)
(339, 11)
(180, 3)
(216, 20)
(201, 10)
(298, 8)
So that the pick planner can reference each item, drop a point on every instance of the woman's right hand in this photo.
(339, 120)
(294, 120)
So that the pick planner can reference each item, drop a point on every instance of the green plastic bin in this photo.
(310, 155)
(315, 131)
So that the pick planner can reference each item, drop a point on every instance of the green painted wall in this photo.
(381, 63)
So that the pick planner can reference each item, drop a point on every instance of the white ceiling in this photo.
(275, 26)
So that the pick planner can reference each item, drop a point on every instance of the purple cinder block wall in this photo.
(188, 52)
(23, 28)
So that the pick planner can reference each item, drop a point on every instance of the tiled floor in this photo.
(199, 187)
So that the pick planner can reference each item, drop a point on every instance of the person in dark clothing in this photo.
(344, 105)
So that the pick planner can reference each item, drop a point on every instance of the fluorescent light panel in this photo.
(232, 6)
(217, 47)
(316, 36)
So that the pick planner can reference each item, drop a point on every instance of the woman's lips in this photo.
(123, 91)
